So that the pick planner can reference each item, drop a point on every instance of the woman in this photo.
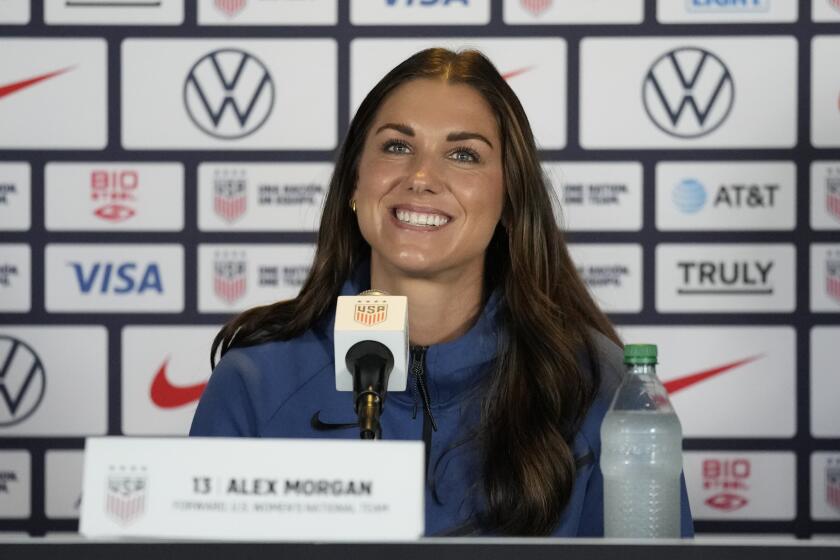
(438, 195)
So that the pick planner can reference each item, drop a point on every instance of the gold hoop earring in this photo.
(353, 205)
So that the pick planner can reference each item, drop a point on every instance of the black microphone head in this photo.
(369, 349)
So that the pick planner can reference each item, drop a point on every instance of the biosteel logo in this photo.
(117, 189)
(729, 478)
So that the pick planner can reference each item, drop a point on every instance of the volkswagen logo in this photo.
(229, 94)
(22, 381)
(688, 92)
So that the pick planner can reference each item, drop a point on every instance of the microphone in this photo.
(371, 352)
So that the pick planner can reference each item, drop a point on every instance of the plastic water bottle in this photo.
(641, 454)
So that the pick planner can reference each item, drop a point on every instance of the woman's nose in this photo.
(424, 177)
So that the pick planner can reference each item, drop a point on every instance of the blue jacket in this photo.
(287, 389)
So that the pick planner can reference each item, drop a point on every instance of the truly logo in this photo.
(720, 277)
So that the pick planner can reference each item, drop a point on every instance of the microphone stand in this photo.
(371, 363)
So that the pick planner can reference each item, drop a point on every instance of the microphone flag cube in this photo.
(381, 318)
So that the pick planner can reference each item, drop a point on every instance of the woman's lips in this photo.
(419, 218)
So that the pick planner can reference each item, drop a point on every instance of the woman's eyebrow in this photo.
(458, 136)
(451, 137)
(399, 127)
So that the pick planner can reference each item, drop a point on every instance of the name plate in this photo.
(252, 489)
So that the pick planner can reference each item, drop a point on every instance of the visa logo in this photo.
(114, 278)
(426, 2)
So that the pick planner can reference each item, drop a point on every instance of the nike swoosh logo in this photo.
(9, 89)
(321, 426)
(515, 73)
(680, 383)
(166, 395)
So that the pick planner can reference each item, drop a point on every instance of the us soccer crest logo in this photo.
(536, 7)
(230, 195)
(125, 500)
(832, 484)
(832, 194)
(230, 7)
(371, 313)
(230, 276)
(832, 274)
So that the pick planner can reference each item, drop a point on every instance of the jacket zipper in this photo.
(418, 370)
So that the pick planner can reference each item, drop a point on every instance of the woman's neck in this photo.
(440, 309)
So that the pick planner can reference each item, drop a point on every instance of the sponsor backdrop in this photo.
(163, 166)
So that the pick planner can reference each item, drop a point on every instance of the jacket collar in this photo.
(452, 368)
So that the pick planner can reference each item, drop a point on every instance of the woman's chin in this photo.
(414, 263)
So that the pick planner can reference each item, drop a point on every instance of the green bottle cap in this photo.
(640, 354)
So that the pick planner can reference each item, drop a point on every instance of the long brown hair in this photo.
(538, 395)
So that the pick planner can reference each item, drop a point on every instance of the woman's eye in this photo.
(396, 147)
(465, 155)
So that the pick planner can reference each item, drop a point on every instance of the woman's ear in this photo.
(507, 216)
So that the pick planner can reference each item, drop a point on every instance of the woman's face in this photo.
(430, 184)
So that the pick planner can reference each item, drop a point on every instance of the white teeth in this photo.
(421, 219)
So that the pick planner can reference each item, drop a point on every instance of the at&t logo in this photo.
(690, 196)
(688, 92)
(22, 381)
(229, 94)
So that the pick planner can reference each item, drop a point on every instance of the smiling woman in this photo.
(438, 194)
(429, 196)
